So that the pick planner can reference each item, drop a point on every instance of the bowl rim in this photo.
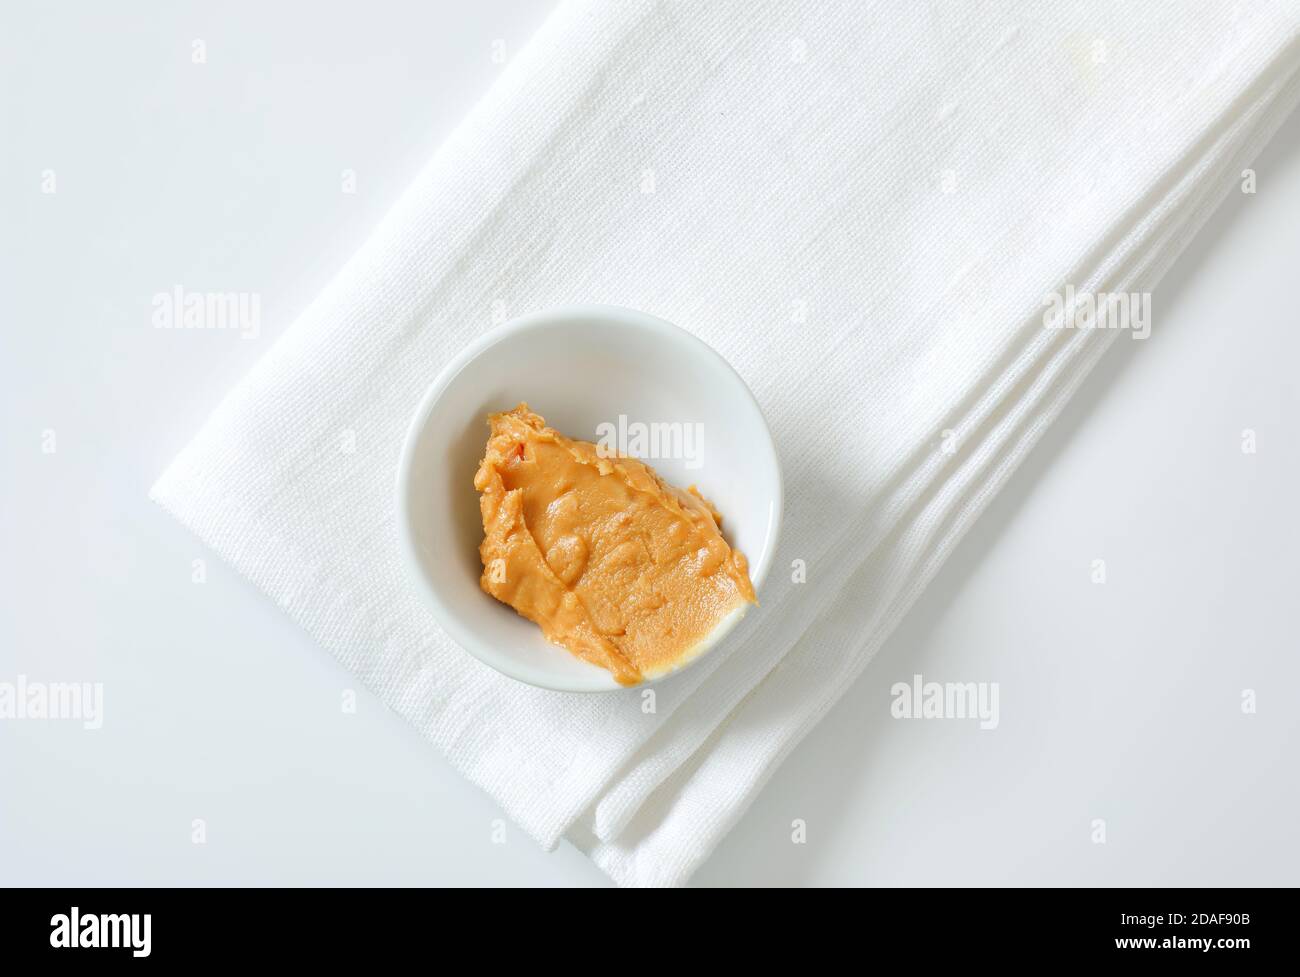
(619, 315)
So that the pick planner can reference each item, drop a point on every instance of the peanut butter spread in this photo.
(612, 562)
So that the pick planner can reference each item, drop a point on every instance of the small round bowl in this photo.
(580, 368)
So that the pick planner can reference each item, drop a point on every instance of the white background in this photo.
(1119, 701)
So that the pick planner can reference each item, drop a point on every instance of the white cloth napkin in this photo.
(861, 206)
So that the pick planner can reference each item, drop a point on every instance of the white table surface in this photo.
(1119, 701)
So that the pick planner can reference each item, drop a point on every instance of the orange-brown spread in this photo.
(621, 568)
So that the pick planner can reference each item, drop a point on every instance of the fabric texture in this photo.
(862, 206)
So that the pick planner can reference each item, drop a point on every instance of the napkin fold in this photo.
(865, 207)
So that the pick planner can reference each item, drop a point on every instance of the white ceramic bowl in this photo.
(577, 367)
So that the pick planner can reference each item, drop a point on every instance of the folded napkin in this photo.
(862, 206)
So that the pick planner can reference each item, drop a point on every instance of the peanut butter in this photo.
(610, 561)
